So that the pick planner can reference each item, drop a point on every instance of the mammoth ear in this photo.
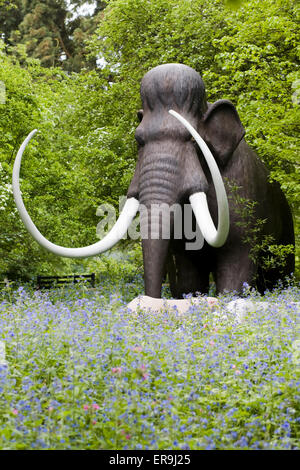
(223, 129)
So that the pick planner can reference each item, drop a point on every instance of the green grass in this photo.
(83, 372)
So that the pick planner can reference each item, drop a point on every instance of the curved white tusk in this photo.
(116, 233)
(215, 238)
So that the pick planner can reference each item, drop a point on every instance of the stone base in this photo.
(181, 306)
(239, 308)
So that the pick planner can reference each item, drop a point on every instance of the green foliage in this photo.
(56, 183)
(234, 3)
(118, 265)
(85, 152)
(274, 256)
(50, 31)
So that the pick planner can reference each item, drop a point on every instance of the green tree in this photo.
(56, 184)
(85, 152)
(10, 17)
(50, 31)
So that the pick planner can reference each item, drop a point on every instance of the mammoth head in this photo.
(173, 86)
(179, 87)
(169, 86)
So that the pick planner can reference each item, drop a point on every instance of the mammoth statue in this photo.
(187, 148)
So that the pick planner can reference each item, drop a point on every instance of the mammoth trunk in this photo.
(156, 228)
(154, 256)
(158, 191)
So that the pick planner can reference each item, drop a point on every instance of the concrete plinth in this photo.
(181, 306)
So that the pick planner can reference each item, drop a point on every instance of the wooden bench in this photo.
(49, 282)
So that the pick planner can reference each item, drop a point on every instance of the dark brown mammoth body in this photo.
(170, 168)
(174, 169)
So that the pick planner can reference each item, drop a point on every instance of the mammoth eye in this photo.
(140, 114)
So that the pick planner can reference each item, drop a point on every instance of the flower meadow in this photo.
(81, 371)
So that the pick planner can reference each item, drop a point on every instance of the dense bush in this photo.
(55, 182)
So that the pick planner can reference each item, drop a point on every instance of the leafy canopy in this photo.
(85, 151)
